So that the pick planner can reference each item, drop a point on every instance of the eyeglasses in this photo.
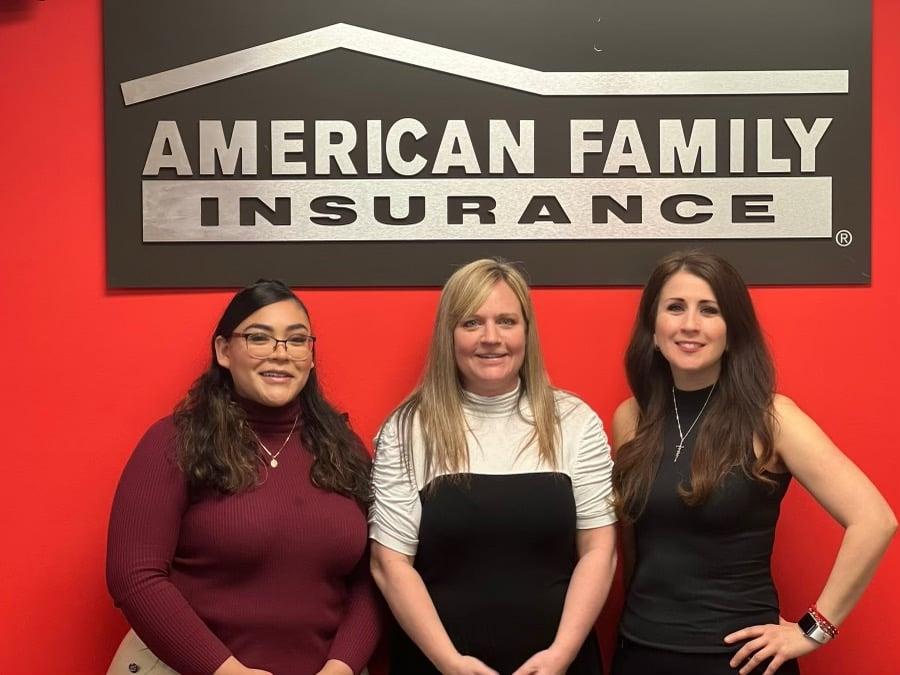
(262, 346)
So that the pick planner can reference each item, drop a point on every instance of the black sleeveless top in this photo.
(496, 553)
(701, 572)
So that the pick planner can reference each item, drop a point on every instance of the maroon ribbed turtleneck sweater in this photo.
(276, 575)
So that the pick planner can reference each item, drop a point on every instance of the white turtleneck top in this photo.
(498, 428)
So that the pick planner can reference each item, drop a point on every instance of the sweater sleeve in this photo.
(143, 532)
(363, 621)
(396, 510)
(592, 476)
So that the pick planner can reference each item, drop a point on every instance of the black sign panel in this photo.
(357, 143)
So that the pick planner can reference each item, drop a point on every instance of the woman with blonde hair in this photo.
(491, 523)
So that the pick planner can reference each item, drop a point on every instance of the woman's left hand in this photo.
(335, 667)
(780, 643)
(547, 662)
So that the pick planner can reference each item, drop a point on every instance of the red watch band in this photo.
(824, 623)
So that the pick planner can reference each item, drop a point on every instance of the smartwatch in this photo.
(812, 629)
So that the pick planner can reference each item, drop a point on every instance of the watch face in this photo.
(807, 623)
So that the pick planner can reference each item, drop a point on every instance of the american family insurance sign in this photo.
(367, 142)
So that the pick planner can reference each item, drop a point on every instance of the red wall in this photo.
(87, 369)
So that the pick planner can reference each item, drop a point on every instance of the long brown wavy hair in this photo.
(215, 446)
(437, 400)
(739, 413)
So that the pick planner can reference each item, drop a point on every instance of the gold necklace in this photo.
(273, 458)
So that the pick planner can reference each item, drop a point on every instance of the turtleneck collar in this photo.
(266, 419)
(691, 393)
(690, 401)
(492, 406)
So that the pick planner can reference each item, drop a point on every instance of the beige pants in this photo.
(133, 657)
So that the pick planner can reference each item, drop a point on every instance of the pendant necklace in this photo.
(680, 446)
(273, 458)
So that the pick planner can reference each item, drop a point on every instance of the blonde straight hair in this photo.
(437, 399)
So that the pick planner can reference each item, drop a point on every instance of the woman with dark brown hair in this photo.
(237, 540)
(706, 450)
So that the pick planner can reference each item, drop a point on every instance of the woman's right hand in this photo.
(468, 665)
(232, 666)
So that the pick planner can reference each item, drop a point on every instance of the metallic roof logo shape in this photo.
(499, 73)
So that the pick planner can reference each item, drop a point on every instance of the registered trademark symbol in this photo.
(843, 238)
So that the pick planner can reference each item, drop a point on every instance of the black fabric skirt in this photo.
(632, 658)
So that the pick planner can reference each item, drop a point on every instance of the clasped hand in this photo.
(781, 642)
(546, 662)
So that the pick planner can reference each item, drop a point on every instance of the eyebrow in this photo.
(263, 326)
(504, 315)
(707, 301)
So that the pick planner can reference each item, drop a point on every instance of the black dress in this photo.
(700, 572)
(497, 554)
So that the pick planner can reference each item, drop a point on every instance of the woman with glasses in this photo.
(493, 538)
(706, 451)
(237, 540)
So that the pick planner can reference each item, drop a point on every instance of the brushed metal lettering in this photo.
(702, 145)
(801, 207)
(685, 209)
(808, 140)
(544, 209)
(242, 148)
(333, 211)
(503, 144)
(751, 209)
(334, 141)
(765, 161)
(383, 209)
(373, 147)
(398, 130)
(167, 136)
(287, 139)
(579, 145)
(628, 213)
(626, 149)
(736, 146)
(475, 210)
(456, 135)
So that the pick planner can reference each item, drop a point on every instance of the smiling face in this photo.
(489, 344)
(275, 380)
(690, 331)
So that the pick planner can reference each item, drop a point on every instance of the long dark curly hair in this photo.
(215, 446)
(740, 413)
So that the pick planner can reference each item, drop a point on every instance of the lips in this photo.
(689, 345)
(278, 375)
